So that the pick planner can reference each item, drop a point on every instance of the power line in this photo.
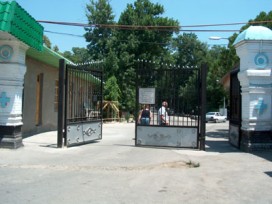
(152, 28)
(60, 33)
(139, 27)
(133, 27)
(81, 36)
(142, 42)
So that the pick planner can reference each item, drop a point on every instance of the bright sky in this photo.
(187, 12)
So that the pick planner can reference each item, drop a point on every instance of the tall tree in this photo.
(263, 18)
(98, 13)
(101, 45)
(218, 61)
(189, 51)
(141, 42)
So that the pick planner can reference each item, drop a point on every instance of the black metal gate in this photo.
(80, 103)
(235, 109)
(183, 88)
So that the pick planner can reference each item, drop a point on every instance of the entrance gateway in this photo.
(80, 103)
(184, 89)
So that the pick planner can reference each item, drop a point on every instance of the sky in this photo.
(187, 12)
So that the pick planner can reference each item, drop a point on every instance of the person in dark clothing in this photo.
(145, 116)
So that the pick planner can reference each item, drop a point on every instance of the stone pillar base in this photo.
(256, 140)
(11, 137)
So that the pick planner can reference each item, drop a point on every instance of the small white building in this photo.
(29, 77)
(254, 47)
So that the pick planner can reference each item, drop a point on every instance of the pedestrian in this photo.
(145, 115)
(163, 118)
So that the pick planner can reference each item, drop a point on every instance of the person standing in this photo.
(163, 118)
(145, 116)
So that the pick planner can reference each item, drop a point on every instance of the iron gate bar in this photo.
(65, 105)
(203, 106)
(60, 103)
(168, 81)
(235, 108)
(80, 103)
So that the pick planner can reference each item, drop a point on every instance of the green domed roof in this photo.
(254, 33)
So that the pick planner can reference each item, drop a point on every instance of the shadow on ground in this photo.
(220, 146)
(264, 154)
(220, 133)
(218, 142)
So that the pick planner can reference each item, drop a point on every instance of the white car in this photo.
(215, 117)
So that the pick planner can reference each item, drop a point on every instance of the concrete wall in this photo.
(49, 115)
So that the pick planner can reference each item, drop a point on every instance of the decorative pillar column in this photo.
(12, 68)
(254, 47)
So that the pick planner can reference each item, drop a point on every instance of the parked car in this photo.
(215, 117)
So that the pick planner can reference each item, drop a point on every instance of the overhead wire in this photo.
(133, 27)
(150, 28)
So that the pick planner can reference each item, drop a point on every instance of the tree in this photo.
(264, 19)
(189, 51)
(101, 45)
(47, 41)
(78, 55)
(112, 91)
(56, 48)
(98, 13)
(141, 43)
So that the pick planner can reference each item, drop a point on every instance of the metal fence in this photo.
(180, 87)
(80, 103)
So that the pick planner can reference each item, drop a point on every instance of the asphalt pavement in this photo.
(114, 171)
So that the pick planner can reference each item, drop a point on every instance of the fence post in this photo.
(60, 103)
(203, 106)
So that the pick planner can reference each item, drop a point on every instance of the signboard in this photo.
(147, 95)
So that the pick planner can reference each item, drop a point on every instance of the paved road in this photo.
(115, 171)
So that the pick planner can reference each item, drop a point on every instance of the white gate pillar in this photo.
(18, 31)
(254, 47)
(12, 68)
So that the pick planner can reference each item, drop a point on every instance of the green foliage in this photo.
(46, 41)
(99, 12)
(79, 55)
(55, 48)
(263, 17)
(188, 93)
(119, 48)
(189, 51)
(111, 89)
(147, 44)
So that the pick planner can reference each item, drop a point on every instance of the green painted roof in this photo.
(47, 56)
(17, 22)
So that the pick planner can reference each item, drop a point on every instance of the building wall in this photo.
(48, 116)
